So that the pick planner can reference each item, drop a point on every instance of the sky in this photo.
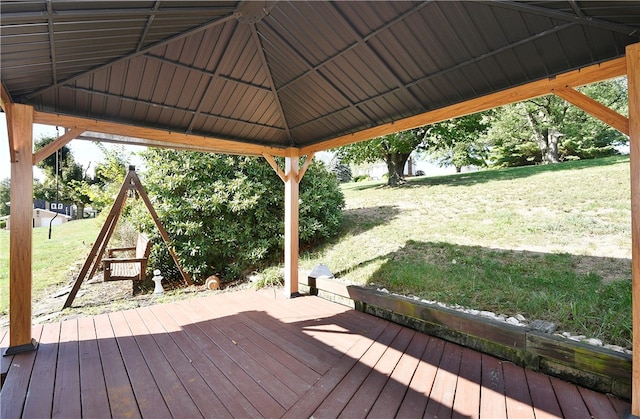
(84, 152)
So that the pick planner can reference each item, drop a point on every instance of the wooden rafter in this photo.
(265, 65)
(587, 75)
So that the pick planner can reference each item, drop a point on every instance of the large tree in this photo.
(458, 142)
(393, 149)
(549, 130)
(109, 175)
(65, 179)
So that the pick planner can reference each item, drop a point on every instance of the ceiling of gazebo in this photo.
(291, 74)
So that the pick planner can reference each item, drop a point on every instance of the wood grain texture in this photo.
(633, 80)
(20, 128)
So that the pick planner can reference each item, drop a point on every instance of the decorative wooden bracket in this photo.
(53, 146)
(284, 176)
(594, 108)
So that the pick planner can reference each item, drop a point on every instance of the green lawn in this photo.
(547, 242)
(52, 259)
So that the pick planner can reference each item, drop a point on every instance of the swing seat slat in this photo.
(118, 269)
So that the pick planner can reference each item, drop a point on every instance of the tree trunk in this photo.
(547, 140)
(80, 212)
(458, 169)
(395, 165)
(553, 136)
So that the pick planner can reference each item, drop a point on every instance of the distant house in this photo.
(59, 207)
(44, 217)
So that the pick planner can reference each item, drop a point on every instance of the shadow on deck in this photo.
(256, 354)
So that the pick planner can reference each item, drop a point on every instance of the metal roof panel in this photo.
(301, 71)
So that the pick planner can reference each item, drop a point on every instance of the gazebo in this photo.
(290, 79)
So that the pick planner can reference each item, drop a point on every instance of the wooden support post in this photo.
(291, 237)
(633, 78)
(20, 128)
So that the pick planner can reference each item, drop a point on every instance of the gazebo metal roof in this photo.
(291, 74)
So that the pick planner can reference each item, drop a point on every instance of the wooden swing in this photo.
(123, 268)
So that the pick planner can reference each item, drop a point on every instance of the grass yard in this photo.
(52, 259)
(547, 242)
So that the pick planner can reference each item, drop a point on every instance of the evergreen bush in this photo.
(225, 214)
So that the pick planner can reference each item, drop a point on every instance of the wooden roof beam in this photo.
(581, 77)
(154, 137)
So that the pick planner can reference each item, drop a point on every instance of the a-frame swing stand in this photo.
(131, 183)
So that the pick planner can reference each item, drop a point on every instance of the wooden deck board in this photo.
(333, 405)
(40, 394)
(415, 401)
(119, 390)
(193, 362)
(492, 401)
(545, 403)
(388, 401)
(93, 389)
(442, 394)
(518, 400)
(199, 379)
(467, 401)
(598, 404)
(307, 405)
(5, 360)
(256, 354)
(147, 394)
(569, 399)
(260, 398)
(14, 390)
(260, 373)
(177, 398)
(66, 396)
(362, 401)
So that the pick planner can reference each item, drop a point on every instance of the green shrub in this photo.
(225, 214)
(270, 277)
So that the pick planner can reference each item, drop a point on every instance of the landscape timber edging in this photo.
(597, 368)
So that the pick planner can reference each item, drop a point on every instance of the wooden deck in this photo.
(254, 354)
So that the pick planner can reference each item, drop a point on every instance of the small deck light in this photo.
(320, 270)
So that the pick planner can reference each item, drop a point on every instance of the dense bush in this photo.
(225, 214)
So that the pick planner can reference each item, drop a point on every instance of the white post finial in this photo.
(157, 278)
